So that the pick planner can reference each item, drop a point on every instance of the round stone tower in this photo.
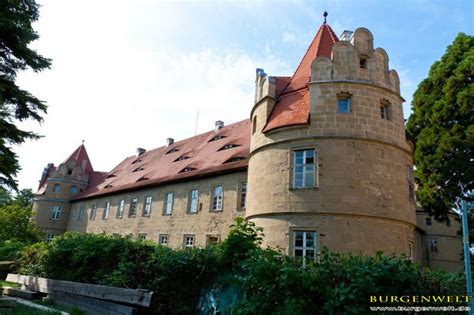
(330, 163)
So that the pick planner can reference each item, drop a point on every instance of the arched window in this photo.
(57, 188)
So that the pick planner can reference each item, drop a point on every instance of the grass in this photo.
(4, 283)
(25, 310)
(50, 303)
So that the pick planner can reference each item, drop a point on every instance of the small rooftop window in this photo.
(138, 169)
(172, 151)
(218, 137)
(181, 158)
(187, 169)
(136, 161)
(108, 186)
(142, 179)
(229, 146)
(235, 159)
(111, 176)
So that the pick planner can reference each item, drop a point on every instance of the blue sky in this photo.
(130, 74)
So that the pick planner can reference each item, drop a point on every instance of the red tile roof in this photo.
(206, 156)
(79, 155)
(292, 107)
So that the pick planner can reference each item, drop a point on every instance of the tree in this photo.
(442, 123)
(15, 219)
(16, 33)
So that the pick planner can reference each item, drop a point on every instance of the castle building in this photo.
(324, 160)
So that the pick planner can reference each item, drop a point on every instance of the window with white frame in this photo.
(141, 236)
(49, 237)
(163, 239)
(304, 244)
(410, 251)
(56, 212)
(93, 212)
(132, 212)
(80, 214)
(120, 208)
(193, 201)
(105, 214)
(217, 198)
(304, 168)
(411, 183)
(147, 206)
(188, 241)
(243, 195)
(168, 209)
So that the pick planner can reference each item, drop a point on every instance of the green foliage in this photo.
(443, 126)
(25, 310)
(15, 218)
(264, 280)
(11, 250)
(16, 35)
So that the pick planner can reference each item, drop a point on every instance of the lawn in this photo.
(24, 310)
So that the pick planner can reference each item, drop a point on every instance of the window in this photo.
(344, 102)
(163, 239)
(69, 171)
(411, 183)
(304, 168)
(105, 215)
(172, 151)
(363, 62)
(217, 198)
(235, 159)
(188, 241)
(138, 169)
(73, 189)
(187, 169)
(433, 243)
(120, 208)
(218, 137)
(93, 212)
(193, 201)
(410, 251)
(57, 188)
(49, 237)
(132, 212)
(168, 204)
(56, 213)
(181, 158)
(80, 214)
(428, 221)
(147, 207)
(229, 146)
(384, 109)
(304, 245)
(243, 195)
(212, 240)
(141, 236)
(254, 125)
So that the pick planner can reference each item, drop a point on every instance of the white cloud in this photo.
(288, 37)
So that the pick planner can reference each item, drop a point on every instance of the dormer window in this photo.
(229, 146)
(235, 159)
(111, 176)
(218, 137)
(142, 179)
(136, 161)
(187, 169)
(181, 158)
(172, 151)
(108, 186)
(138, 169)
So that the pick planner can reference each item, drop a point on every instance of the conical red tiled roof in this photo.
(79, 155)
(292, 107)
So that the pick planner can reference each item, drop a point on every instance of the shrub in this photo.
(10, 250)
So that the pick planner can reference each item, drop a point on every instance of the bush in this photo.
(263, 281)
(10, 250)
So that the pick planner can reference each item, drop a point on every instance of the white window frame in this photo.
(193, 201)
(141, 236)
(132, 210)
(169, 201)
(305, 166)
(243, 195)
(120, 209)
(56, 212)
(80, 214)
(93, 212)
(147, 206)
(164, 239)
(304, 248)
(105, 214)
(49, 237)
(189, 240)
(217, 198)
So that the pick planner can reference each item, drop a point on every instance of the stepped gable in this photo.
(217, 151)
(292, 106)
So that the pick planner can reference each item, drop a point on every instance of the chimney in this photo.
(346, 35)
(140, 151)
(218, 125)
(169, 141)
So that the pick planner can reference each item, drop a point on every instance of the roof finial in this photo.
(82, 141)
(325, 15)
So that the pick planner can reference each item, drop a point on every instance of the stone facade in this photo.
(354, 192)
